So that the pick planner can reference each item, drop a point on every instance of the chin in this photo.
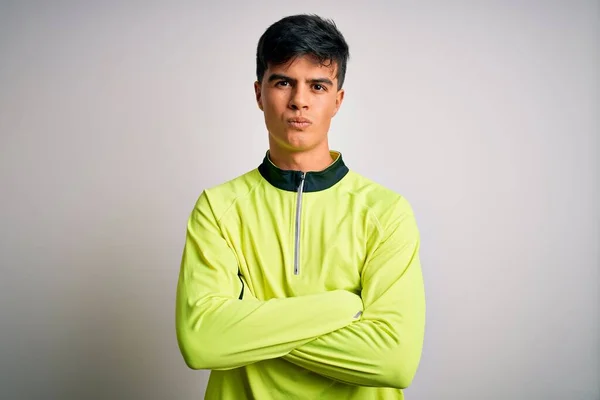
(296, 140)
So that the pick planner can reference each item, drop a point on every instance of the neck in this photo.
(313, 160)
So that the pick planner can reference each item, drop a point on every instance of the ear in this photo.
(258, 94)
(339, 98)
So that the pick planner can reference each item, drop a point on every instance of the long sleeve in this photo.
(218, 330)
(384, 347)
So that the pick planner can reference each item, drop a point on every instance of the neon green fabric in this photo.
(273, 282)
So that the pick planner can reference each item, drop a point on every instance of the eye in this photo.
(281, 83)
(319, 87)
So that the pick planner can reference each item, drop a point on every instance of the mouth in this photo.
(299, 122)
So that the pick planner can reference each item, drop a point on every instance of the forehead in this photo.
(306, 66)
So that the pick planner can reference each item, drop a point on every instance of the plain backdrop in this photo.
(114, 116)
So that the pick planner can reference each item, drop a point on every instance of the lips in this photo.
(299, 122)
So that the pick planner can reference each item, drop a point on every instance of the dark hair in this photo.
(299, 35)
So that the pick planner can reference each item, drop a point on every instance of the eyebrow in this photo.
(275, 77)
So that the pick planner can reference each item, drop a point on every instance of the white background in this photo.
(114, 116)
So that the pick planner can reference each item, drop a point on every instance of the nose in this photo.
(299, 98)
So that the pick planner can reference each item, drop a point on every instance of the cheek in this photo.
(273, 110)
(327, 110)
(274, 100)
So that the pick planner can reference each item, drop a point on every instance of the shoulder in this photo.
(221, 197)
(387, 207)
(376, 196)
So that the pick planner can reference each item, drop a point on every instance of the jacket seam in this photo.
(237, 198)
(371, 213)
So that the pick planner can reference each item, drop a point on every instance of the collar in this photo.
(314, 181)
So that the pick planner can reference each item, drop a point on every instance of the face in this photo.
(298, 100)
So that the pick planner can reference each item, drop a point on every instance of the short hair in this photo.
(299, 35)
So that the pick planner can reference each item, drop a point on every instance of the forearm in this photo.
(223, 333)
(383, 348)
(363, 353)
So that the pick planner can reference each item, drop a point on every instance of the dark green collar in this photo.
(314, 181)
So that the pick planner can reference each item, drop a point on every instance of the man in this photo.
(301, 279)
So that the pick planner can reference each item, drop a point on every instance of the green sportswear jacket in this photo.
(301, 286)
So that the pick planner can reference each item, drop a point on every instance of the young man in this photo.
(301, 279)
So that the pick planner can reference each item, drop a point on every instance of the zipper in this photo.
(298, 212)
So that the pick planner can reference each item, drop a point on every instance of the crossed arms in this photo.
(320, 332)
